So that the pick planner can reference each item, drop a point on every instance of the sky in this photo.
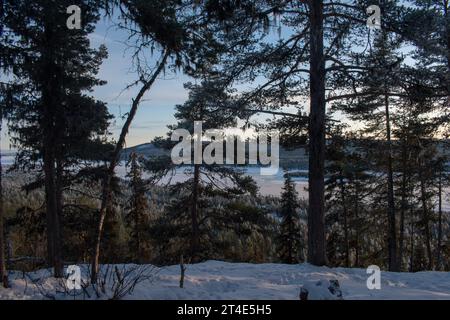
(157, 108)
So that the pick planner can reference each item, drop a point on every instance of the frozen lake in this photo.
(268, 185)
(7, 159)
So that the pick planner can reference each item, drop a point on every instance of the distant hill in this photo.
(293, 159)
(145, 150)
(296, 158)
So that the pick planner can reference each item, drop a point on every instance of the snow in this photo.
(321, 290)
(216, 280)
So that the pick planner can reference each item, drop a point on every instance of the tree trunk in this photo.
(49, 156)
(439, 242)
(411, 239)
(194, 213)
(106, 190)
(426, 220)
(357, 227)
(50, 101)
(3, 272)
(137, 222)
(345, 211)
(447, 29)
(403, 209)
(401, 237)
(53, 244)
(392, 237)
(316, 183)
(59, 264)
(439, 257)
(137, 230)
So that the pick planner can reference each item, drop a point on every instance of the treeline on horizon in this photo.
(382, 202)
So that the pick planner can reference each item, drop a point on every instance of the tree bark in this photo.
(106, 189)
(411, 239)
(345, 211)
(53, 245)
(447, 29)
(3, 272)
(357, 226)
(426, 220)
(194, 214)
(403, 209)
(137, 230)
(316, 183)
(405, 196)
(392, 236)
(59, 264)
(439, 242)
(50, 103)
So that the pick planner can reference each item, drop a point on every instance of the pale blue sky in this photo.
(156, 112)
(157, 109)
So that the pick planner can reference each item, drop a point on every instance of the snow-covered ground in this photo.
(215, 280)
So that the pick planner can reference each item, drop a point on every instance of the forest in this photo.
(357, 92)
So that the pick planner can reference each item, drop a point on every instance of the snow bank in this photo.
(215, 280)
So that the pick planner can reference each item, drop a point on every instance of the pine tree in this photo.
(206, 202)
(185, 42)
(313, 60)
(291, 238)
(380, 89)
(51, 118)
(427, 24)
(421, 163)
(405, 165)
(348, 187)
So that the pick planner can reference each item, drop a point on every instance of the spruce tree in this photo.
(52, 119)
(290, 238)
